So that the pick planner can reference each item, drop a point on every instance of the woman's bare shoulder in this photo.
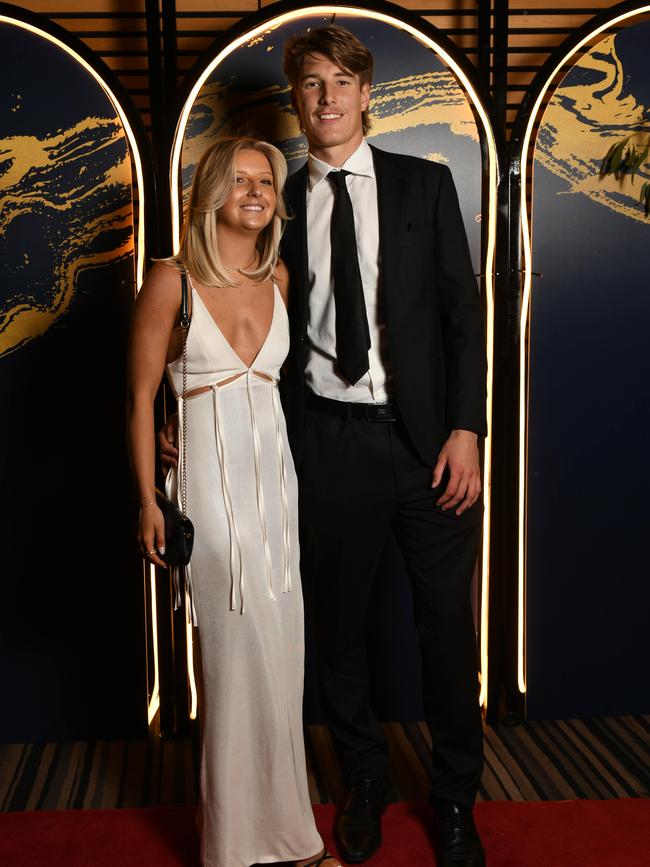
(164, 274)
(162, 284)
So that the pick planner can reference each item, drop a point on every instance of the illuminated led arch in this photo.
(493, 173)
(47, 30)
(528, 117)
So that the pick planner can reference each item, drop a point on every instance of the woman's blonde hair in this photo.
(213, 183)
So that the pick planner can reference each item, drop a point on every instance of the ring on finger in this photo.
(150, 553)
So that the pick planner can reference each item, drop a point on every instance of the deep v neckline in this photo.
(225, 339)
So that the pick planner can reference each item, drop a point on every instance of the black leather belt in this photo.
(373, 412)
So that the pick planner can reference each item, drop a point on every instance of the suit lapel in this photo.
(390, 200)
(296, 242)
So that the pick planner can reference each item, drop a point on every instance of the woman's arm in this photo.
(154, 316)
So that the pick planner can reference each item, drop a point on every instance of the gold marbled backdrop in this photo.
(593, 108)
(65, 188)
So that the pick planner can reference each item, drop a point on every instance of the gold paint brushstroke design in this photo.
(426, 99)
(580, 124)
(54, 179)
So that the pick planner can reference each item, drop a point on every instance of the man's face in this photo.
(329, 101)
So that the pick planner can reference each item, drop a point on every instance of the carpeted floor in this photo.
(604, 758)
(566, 834)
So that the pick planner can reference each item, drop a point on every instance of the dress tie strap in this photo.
(237, 571)
(258, 482)
(235, 540)
(286, 583)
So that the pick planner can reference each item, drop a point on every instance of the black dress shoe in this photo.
(459, 839)
(358, 830)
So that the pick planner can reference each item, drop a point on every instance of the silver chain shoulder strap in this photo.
(185, 325)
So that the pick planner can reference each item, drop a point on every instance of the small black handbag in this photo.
(179, 530)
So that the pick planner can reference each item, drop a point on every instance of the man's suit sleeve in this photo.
(461, 315)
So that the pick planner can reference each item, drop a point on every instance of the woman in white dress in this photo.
(241, 497)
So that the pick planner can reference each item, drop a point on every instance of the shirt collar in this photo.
(358, 163)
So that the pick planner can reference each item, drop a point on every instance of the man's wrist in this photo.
(460, 433)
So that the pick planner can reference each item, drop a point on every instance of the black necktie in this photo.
(352, 333)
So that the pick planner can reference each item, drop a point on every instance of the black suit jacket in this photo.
(434, 323)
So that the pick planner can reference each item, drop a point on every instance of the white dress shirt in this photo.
(321, 364)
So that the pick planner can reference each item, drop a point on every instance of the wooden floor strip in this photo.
(24, 776)
(633, 759)
(586, 783)
(12, 760)
(40, 778)
(408, 776)
(559, 765)
(327, 764)
(565, 759)
(530, 779)
(601, 757)
(133, 779)
(491, 788)
(505, 787)
(94, 779)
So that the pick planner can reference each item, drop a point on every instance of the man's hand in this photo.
(167, 439)
(460, 454)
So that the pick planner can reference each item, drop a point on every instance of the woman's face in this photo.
(251, 204)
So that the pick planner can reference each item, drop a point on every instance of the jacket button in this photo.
(301, 339)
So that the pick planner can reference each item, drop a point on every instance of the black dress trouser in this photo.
(358, 480)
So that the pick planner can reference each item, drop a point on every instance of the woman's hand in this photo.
(151, 534)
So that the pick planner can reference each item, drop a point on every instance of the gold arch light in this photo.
(524, 322)
(312, 11)
(154, 700)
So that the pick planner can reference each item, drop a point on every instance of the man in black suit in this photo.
(385, 401)
(384, 394)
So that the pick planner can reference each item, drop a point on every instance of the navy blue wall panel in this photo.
(588, 593)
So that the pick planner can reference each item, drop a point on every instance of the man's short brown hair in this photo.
(338, 45)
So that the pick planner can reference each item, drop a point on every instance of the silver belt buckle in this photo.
(381, 412)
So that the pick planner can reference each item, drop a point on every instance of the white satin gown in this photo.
(242, 497)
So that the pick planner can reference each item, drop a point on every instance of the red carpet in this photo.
(567, 834)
